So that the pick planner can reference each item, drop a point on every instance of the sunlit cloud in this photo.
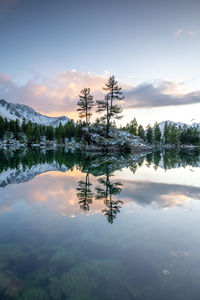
(160, 94)
(53, 96)
(187, 32)
(162, 195)
(55, 191)
(192, 32)
(59, 95)
(178, 32)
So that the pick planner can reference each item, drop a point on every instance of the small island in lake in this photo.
(21, 126)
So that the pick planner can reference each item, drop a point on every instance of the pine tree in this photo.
(157, 133)
(132, 127)
(107, 105)
(174, 134)
(50, 133)
(141, 132)
(2, 128)
(60, 133)
(29, 132)
(149, 134)
(86, 103)
(166, 133)
(37, 134)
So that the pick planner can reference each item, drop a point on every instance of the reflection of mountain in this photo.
(92, 184)
(22, 166)
(20, 175)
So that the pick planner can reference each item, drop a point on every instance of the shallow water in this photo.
(94, 227)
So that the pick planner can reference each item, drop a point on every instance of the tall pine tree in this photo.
(157, 133)
(111, 110)
(85, 104)
(149, 134)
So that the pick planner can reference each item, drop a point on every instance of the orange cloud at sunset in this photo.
(57, 96)
(53, 96)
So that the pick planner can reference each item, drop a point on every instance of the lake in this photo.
(78, 226)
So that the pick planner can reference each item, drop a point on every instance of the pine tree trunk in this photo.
(108, 121)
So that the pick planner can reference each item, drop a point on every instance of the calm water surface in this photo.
(84, 227)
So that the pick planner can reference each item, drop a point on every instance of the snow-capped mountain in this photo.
(177, 124)
(21, 175)
(13, 111)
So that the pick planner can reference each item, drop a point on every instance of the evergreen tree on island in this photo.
(107, 105)
(85, 104)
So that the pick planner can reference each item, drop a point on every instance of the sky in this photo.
(50, 50)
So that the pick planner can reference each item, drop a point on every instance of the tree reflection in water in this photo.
(85, 194)
(105, 192)
(19, 166)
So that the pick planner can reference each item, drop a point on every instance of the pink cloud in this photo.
(187, 32)
(192, 32)
(178, 32)
(53, 96)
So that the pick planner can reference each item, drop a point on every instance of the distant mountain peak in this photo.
(14, 111)
(162, 124)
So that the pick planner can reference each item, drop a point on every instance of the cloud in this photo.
(187, 32)
(161, 194)
(192, 32)
(52, 96)
(58, 96)
(178, 32)
(163, 94)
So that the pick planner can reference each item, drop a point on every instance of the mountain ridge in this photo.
(162, 124)
(14, 111)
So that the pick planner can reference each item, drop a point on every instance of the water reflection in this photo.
(85, 194)
(93, 179)
(147, 253)
(106, 191)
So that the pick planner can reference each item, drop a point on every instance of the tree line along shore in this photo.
(103, 131)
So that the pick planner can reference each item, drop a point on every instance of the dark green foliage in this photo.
(50, 133)
(166, 133)
(111, 111)
(141, 132)
(189, 135)
(132, 127)
(32, 133)
(106, 192)
(85, 194)
(2, 127)
(157, 133)
(149, 134)
(171, 133)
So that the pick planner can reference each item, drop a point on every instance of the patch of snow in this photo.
(13, 111)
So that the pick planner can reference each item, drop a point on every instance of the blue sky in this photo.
(141, 42)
